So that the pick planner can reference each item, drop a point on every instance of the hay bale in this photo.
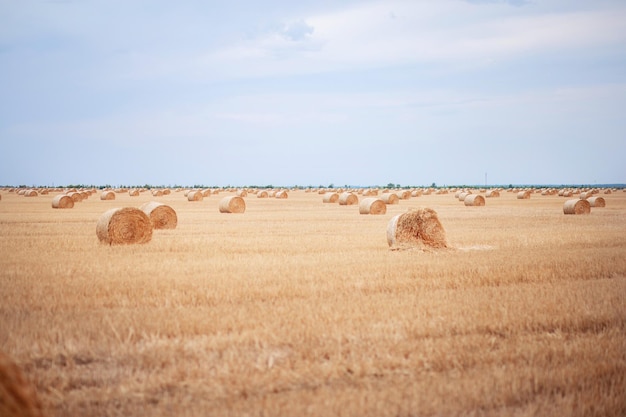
(492, 193)
(348, 199)
(462, 196)
(261, 194)
(30, 193)
(585, 195)
(195, 195)
(157, 193)
(577, 206)
(419, 228)
(232, 204)
(475, 200)
(281, 194)
(18, 396)
(242, 193)
(124, 226)
(390, 198)
(107, 195)
(161, 216)
(372, 205)
(523, 195)
(330, 198)
(596, 202)
(62, 201)
(133, 192)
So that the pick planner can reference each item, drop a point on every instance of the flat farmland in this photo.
(300, 308)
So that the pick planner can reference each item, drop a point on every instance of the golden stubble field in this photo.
(299, 308)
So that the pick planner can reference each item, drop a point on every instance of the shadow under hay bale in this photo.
(576, 206)
(161, 216)
(372, 205)
(62, 201)
(120, 226)
(419, 229)
(232, 204)
(18, 397)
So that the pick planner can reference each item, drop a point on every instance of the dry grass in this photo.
(300, 308)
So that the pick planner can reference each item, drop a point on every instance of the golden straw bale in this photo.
(261, 194)
(348, 199)
(282, 194)
(232, 204)
(157, 193)
(161, 216)
(195, 195)
(577, 206)
(416, 193)
(30, 193)
(585, 195)
(476, 200)
(404, 194)
(330, 198)
(390, 198)
(492, 193)
(62, 201)
(124, 226)
(463, 195)
(133, 192)
(419, 228)
(372, 205)
(18, 396)
(596, 202)
(107, 195)
(523, 195)
(242, 193)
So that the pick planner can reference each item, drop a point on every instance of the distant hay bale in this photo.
(330, 198)
(404, 194)
(232, 204)
(523, 195)
(419, 228)
(464, 195)
(161, 216)
(261, 194)
(416, 193)
(282, 194)
(492, 193)
(348, 199)
(242, 193)
(18, 396)
(585, 195)
(577, 206)
(76, 196)
(157, 193)
(475, 200)
(107, 195)
(195, 195)
(127, 225)
(596, 202)
(133, 192)
(372, 205)
(390, 198)
(62, 201)
(30, 193)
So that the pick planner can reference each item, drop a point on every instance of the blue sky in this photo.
(312, 92)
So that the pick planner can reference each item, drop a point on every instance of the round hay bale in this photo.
(404, 194)
(232, 204)
(577, 206)
(419, 228)
(133, 192)
(492, 193)
(195, 195)
(124, 226)
(157, 193)
(372, 205)
(523, 195)
(62, 201)
(390, 198)
(475, 200)
(596, 202)
(242, 193)
(282, 194)
(107, 195)
(585, 195)
(261, 194)
(76, 196)
(348, 199)
(30, 193)
(18, 396)
(416, 193)
(161, 216)
(330, 198)
(463, 195)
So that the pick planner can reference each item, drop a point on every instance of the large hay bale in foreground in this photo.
(348, 199)
(62, 201)
(330, 198)
(107, 195)
(372, 205)
(476, 200)
(232, 204)
(419, 228)
(161, 216)
(127, 225)
(596, 202)
(577, 206)
(18, 397)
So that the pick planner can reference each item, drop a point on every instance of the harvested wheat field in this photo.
(300, 308)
